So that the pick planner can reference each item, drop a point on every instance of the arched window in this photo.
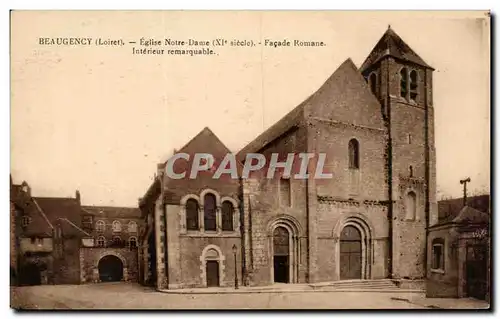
(413, 85)
(117, 226)
(132, 242)
(404, 82)
(281, 241)
(100, 226)
(210, 212)
(353, 154)
(438, 254)
(192, 218)
(411, 205)
(285, 192)
(132, 227)
(411, 171)
(101, 241)
(227, 216)
(373, 83)
(25, 221)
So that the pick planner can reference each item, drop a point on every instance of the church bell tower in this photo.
(402, 82)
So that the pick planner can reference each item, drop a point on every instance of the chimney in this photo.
(77, 195)
(160, 169)
(26, 188)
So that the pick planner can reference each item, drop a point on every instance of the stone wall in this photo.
(89, 259)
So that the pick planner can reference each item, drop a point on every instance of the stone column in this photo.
(218, 219)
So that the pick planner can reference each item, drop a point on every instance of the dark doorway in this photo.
(212, 273)
(350, 253)
(476, 271)
(281, 269)
(30, 275)
(281, 258)
(110, 268)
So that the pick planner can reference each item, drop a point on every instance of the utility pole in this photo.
(464, 182)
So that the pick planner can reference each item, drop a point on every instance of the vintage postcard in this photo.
(250, 160)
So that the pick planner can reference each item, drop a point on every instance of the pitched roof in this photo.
(392, 45)
(112, 212)
(39, 224)
(56, 209)
(346, 72)
(450, 208)
(471, 215)
(276, 130)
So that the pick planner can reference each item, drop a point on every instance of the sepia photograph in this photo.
(250, 160)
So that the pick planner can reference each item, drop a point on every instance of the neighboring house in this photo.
(47, 238)
(58, 241)
(459, 249)
(20, 200)
(376, 126)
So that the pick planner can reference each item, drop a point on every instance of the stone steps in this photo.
(377, 284)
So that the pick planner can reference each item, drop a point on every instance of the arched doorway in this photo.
(110, 268)
(350, 253)
(212, 266)
(30, 274)
(281, 254)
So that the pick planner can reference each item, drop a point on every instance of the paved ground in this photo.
(133, 296)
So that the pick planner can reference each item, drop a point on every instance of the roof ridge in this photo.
(75, 226)
(40, 210)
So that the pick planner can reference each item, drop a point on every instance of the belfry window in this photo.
(192, 219)
(404, 83)
(413, 85)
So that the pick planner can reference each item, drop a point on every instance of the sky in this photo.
(99, 119)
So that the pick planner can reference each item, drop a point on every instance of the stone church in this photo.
(376, 126)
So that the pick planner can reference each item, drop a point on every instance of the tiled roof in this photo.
(112, 212)
(347, 71)
(470, 215)
(392, 45)
(62, 209)
(448, 209)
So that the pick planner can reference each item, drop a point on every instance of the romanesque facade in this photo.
(376, 126)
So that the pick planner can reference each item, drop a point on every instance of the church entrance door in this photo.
(350, 253)
(212, 273)
(281, 241)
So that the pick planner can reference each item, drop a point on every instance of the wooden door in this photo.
(212, 273)
(350, 253)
